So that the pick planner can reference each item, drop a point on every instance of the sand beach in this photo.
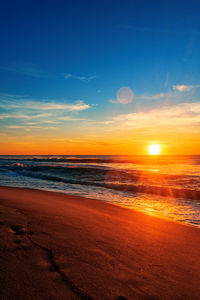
(58, 246)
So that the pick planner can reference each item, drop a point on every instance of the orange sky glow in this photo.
(120, 128)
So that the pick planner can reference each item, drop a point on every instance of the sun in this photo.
(154, 149)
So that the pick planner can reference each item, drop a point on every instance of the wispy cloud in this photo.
(22, 126)
(97, 122)
(184, 114)
(28, 127)
(27, 69)
(68, 118)
(34, 70)
(185, 88)
(43, 105)
(78, 77)
(159, 96)
(78, 106)
(41, 122)
(172, 96)
(48, 122)
(9, 116)
(28, 114)
(179, 93)
(21, 116)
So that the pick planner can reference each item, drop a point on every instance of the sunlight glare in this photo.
(154, 149)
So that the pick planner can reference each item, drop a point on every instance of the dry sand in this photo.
(56, 246)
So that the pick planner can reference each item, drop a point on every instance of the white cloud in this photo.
(26, 113)
(68, 118)
(22, 116)
(185, 88)
(184, 114)
(39, 105)
(22, 126)
(42, 122)
(48, 122)
(43, 115)
(172, 96)
(31, 123)
(160, 96)
(155, 97)
(8, 116)
(81, 78)
(79, 106)
(28, 127)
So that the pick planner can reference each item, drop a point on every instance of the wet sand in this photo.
(57, 246)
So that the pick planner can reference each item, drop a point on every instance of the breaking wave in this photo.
(104, 176)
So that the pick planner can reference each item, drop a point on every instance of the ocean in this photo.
(164, 186)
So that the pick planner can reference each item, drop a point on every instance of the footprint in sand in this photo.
(17, 230)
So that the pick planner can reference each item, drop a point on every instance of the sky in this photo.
(99, 77)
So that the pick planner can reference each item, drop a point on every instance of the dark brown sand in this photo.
(56, 246)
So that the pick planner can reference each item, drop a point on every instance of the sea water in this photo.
(164, 186)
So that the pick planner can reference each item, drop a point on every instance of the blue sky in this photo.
(78, 54)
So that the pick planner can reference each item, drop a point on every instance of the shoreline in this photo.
(81, 248)
(62, 192)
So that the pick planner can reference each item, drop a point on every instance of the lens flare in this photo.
(125, 95)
